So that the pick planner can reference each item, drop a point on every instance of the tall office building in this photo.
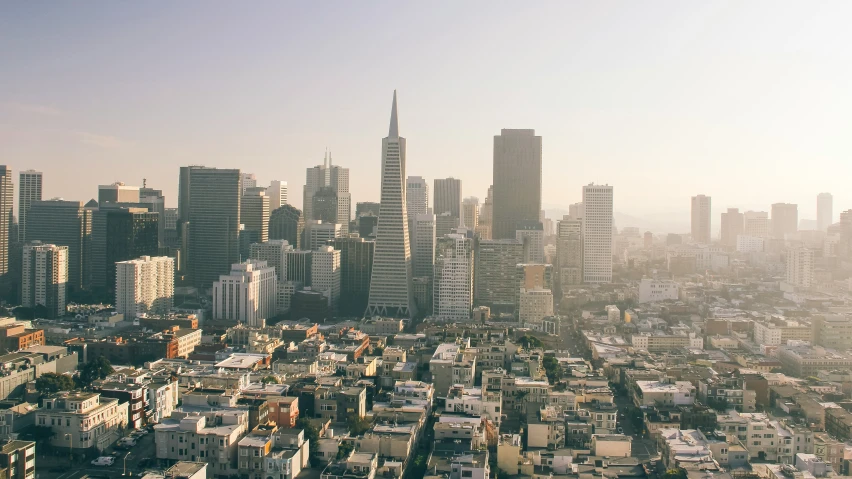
(701, 219)
(319, 234)
(517, 181)
(145, 285)
(118, 192)
(733, 224)
(423, 246)
(45, 277)
(569, 251)
(356, 266)
(416, 196)
(453, 278)
(120, 234)
(597, 233)
(213, 216)
(299, 266)
(246, 295)
(533, 306)
(336, 180)
(29, 190)
(800, 267)
(756, 223)
(64, 223)
(448, 197)
(7, 199)
(445, 223)
(531, 234)
(576, 210)
(390, 286)
(249, 180)
(277, 193)
(254, 216)
(494, 279)
(367, 208)
(325, 274)
(470, 212)
(274, 252)
(785, 219)
(157, 201)
(825, 213)
(287, 223)
(483, 227)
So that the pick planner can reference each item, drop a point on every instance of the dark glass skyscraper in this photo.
(517, 181)
(120, 234)
(64, 223)
(356, 267)
(288, 224)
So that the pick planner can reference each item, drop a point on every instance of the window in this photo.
(467, 473)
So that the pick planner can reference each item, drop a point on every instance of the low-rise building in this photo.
(212, 437)
(611, 445)
(666, 392)
(272, 452)
(83, 420)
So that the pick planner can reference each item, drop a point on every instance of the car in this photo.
(103, 461)
(139, 432)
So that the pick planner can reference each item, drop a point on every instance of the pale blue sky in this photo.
(748, 102)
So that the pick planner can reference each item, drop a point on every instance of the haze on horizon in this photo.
(746, 102)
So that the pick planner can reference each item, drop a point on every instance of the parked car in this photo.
(141, 431)
(104, 461)
(126, 442)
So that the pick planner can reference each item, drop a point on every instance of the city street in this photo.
(643, 448)
(60, 467)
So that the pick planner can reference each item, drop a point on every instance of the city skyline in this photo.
(739, 124)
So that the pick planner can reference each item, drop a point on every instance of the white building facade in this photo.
(44, 280)
(145, 285)
(453, 290)
(535, 305)
(325, 274)
(246, 295)
(597, 233)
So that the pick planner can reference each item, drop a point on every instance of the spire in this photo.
(325, 158)
(394, 121)
(329, 158)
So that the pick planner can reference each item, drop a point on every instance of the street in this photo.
(643, 447)
(59, 466)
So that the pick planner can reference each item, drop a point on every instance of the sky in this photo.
(748, 102)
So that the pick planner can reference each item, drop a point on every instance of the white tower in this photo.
(597, 234)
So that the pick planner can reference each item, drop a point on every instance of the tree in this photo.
(378, 351)
(269, 380)
(49, 383)
(357, 425)
(552, 369)
(344, 449)
(96, 368)
(675, 473)
(528, 342)
(311, 435)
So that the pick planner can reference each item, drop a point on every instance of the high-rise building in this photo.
(390, 286)
(120, 234)
(367, 208)
(531, 234)
(213, 221)
(785, 219)
(118, 192)
(597, 233)
(246, 295)
(336, 180)
(277, 193)
(534, 305)
(299, 266)
(733, 224)
(445, 223)
(448, 197)
(576, 210)
(157, 201)
(756, 224)
(287, 223)
(254, 216)
(517, 181)
(701, 214)
(470, 212)
(145, 285)
(274, 252)
(319, 233)
(249, 180)
(170, 222)
(29, 190)
(368, 225)
(325, 274)
(64, 223)
(7, 199)
(416, 196)
(483, 227)
(356, 266)
(45, 277)
(495, 283)
(825, 213)
(534, 276)
(423, 246)
(569, 251)
(800, 267)
(453, 278)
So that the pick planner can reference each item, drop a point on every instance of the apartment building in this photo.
(452, 364)
(271, 452)
(766, 439)
(212, 437)
(83, 420)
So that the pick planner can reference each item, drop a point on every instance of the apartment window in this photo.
(467, 473)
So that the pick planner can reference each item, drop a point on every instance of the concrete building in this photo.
(597, 233)
(452, 364)
(271, 452)
(750, 244)
(453, 278)
(18, 459)
(825, 213)
(832, 331)
(495, 283)
(118, 192)
(330, 180)
(470, 213)
(287, 223)
(356, 268)
(701, 219)
(535, 305)
(83, 420)
(804, 361)
(299, 266)
(44, 280)
(416, 196)
(569, 251)
(277, 193)
(247, 295)
(215, 435)
(800, 267)
(517, 181)
(319, 233)
(531, 235)
(29, 190)
(785, 219)
(447, 197)
(423, 245)
(445, 223)
(254, 218)
(733, 223)
(274, 252)
(652, 290)
(145, 285)
(671, 393)
(756, 223)
(325, 274)
(119, 234)
(64, 223)
(390, 285)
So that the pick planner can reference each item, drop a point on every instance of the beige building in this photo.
(212, 437)
(83, 420)
(611, 445)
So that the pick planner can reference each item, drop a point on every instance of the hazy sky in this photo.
(748, 102)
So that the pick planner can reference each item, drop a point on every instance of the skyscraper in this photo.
(733, 223)
(118, 192)
(120, 234)
(336, 179)
(423, 246)
(254, 216)
(277, 193)
(29, 190)
(45, 277)
(7, 199)
(483, 227)
(448, 197)
(356, 266)
(597, 233)
(531, 234)
(64, 223)
(800, 267)
(785, 219)
(569, 251)
(158, 204)
(701, 219)
(825, 214)
(390, 286)
(416, 196)
(470, 212)
(287, 223)
(325, 274)
(249, 180)
(246, 295)
(453, 278)
(145, 285)
(495, 284)
(214, 222)
(319, 234)
(274, 252)
(756, 223)
(517, 181)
